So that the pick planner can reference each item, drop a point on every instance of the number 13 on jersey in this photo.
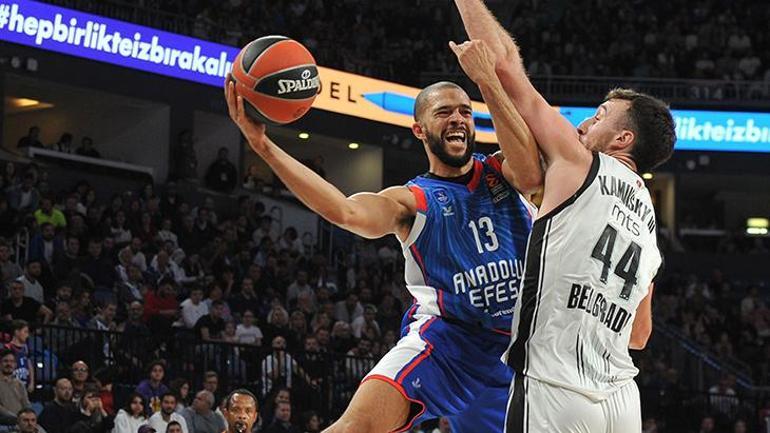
(490, 242)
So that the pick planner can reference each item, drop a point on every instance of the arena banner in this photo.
(705, 130)
(127, 45)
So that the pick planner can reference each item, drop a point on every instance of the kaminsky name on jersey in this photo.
(465, 252)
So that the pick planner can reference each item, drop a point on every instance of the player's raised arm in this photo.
(366, 214)
(521, 166)
(556, 137)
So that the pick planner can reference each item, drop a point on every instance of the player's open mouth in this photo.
(455, 137)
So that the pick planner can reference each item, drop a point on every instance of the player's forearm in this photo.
(310, 188)
(516, 141)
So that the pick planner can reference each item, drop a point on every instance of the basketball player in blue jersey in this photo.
(463, 227)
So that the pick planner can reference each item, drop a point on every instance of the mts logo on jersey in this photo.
(612, 315)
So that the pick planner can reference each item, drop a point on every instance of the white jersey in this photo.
(589, 264)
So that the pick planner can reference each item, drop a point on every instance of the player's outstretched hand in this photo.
(476, 59)
(251, 129)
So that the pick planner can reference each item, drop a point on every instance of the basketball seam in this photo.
(256, 59)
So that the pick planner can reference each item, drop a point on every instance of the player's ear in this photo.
(624, 140)
(418, 130)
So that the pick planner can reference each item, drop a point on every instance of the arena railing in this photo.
(699, 368)
(323, 382)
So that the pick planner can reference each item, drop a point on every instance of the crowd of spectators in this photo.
(156, 267)
(399, 40)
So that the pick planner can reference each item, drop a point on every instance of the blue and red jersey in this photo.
(465, 251)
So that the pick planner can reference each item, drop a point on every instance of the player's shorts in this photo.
(447, 369)
(539, 407)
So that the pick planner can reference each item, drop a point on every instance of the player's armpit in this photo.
(642, 327)
(373, 215)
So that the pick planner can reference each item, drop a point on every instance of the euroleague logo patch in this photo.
(496, 188)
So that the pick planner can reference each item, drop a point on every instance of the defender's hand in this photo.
(252, 130)
(476, 59)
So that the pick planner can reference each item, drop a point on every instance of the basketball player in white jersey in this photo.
(592, 254)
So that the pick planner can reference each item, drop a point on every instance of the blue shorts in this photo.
(451, 370)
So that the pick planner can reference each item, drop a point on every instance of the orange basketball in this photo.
(277, 78)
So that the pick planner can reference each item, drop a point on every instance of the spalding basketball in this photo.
(277, 78)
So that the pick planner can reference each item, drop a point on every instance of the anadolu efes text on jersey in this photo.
(589, 264)
(465, 252)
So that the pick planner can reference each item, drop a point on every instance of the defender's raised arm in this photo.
(556, 137)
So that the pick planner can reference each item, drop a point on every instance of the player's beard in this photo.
(437, 145)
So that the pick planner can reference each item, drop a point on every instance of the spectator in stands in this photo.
(706, 425)
(282, 420)
(290, 241)
(265, 230)
(167, 414)
(87, 148)
(349, 309)
(31, 280)
(247, 332)
(342, 338)
(18, 306)
(80, 378)
(222, 174)
(45, 245)
(153, 388)
(13, 394)
(166, 233)
(200, 417)
(58, 415)
(139, 257)
(91, 418)
(162, 267)
(367, 325)
(300, 285)
(25, 370)
(104, 320)
(246, 298)
(359, 360)
(10, 176)
(97, 266)
(193, 308)
(739, 426)
(119, 230)
(24, 198)
(63, 294)
(67, 261)
(211, 383)
(63, 317)
(64, 144)
(311, 423)
(48, 214)
(131, 416)
(32, 139)
(133, 288)
(210, 326)
(8, 218)
(180, 387)
(278, 367)
(161, 308)
(26, 422)
(251, 180)
(723, 397)
(172, 427)
(9, 269)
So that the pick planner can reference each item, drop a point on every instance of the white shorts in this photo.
(538, 407)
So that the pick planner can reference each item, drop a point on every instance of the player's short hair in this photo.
(241, 391)
(653, 125)
(422, 98)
